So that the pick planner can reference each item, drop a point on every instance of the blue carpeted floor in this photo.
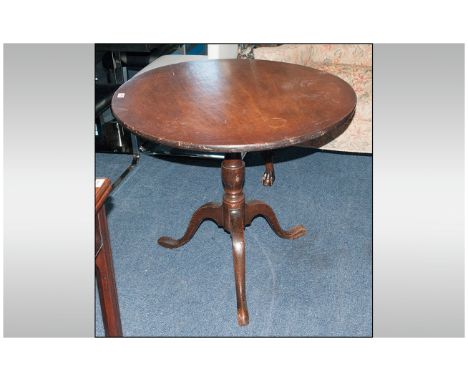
(318, 285)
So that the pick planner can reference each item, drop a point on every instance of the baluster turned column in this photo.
(233, 175)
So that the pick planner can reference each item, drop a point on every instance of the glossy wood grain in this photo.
(233, 105)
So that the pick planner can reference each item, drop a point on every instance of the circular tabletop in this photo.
(233, 105)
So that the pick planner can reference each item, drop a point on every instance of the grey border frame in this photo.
(418, 178)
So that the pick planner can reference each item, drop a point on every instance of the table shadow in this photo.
(251, 159)
(254, 158)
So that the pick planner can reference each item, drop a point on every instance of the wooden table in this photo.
(104, 264)
(234, 106)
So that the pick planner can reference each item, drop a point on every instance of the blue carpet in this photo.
(112, 165)
(318, 285)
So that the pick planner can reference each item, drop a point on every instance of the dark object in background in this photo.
(110, 136)
(115, 57)
(114, 64)
(113, 138)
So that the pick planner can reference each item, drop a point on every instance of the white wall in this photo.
(216, 51)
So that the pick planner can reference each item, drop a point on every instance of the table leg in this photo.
(268, 177)
(210, 211)
(255, 208)
(238, 255)
(106, 281)
(233, 175)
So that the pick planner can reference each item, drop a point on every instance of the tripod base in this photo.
(234, 214)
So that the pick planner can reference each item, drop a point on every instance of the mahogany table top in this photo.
(233, 105)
